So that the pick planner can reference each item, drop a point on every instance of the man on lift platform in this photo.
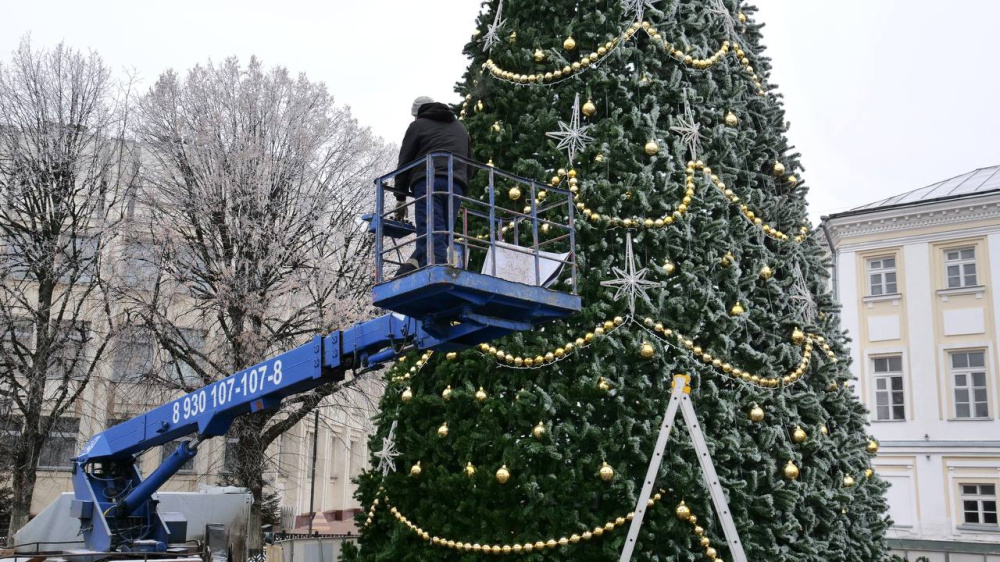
(434, 129)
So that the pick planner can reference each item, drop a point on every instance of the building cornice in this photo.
(918, 216)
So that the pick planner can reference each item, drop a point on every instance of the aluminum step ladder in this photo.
(680, 398)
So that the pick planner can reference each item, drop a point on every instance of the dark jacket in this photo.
(435, 130)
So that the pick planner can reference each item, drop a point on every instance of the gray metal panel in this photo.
(976, 181)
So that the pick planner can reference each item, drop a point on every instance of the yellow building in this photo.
(916, 277)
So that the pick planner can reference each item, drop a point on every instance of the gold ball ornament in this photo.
(539, 431)
(756, 414)
(798, 336)
(647, 351)
(415, 470)
(503, 475)
(736, 310)
(742, 17)
(539, 55)
(443, 430)
(589, 109)
(868, 473)
(731, 119)
(872, 446)
(569, 44)
(792, 181)
(778, 169)
(514, 194)
(512, 38)
(669, 268)
(766, 273)
(480, 395)
(848, 481)
(407, 395)
(451, 356)
(683, 512)
(446, 393)
(470, 470)
(791, 471)
(607, 473)
(799, 435)
(824, 430)
(603, 384)
(599, 158)
(652, 149)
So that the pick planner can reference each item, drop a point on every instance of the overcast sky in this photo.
(884, 96)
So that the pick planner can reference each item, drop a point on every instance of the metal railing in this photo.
(32, 551)
(542, 230)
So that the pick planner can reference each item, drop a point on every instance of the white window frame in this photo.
(980, 500)
(888, 391)
(137, 342)
(86, 249)
(229, 442)
(19, 339)
(882, 272)
(179, 371)
(968, 372)
(962, 264)
(66, 435)
(70, 349)
(141, 264)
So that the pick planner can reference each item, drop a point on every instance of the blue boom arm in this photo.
(115, 504)
(440, 307)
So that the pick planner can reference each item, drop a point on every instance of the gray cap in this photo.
(419, 102)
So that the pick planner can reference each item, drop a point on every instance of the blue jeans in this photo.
(439, 208)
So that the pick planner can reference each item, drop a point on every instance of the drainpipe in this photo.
(836, 255)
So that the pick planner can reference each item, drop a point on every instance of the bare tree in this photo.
(63, 167)
(251, 186)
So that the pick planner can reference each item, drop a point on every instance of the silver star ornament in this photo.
(720, 9)
(638, 7)
(631, 283)
(573, 137)
(492, 36)
(387, 456)
(689, 130)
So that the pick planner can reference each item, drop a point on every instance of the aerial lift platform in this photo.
(441, 306)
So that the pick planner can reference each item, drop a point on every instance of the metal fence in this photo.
(319, 549)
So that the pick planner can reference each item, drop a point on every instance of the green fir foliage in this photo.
(555, 490)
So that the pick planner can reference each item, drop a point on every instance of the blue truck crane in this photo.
(440, 307)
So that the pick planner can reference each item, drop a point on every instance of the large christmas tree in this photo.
(659, 115)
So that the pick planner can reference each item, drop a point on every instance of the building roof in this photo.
(975, 182)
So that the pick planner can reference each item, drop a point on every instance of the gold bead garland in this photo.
(511, 548)
(414, 369)
(683, 513)
(683, 207)
(554, 355)
(684, 342)
(587, 60)
(635, 222)
(749, 214)
(668, 336)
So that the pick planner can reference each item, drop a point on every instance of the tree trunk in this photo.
(251, 465)
(29, 445)
(25, 474)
